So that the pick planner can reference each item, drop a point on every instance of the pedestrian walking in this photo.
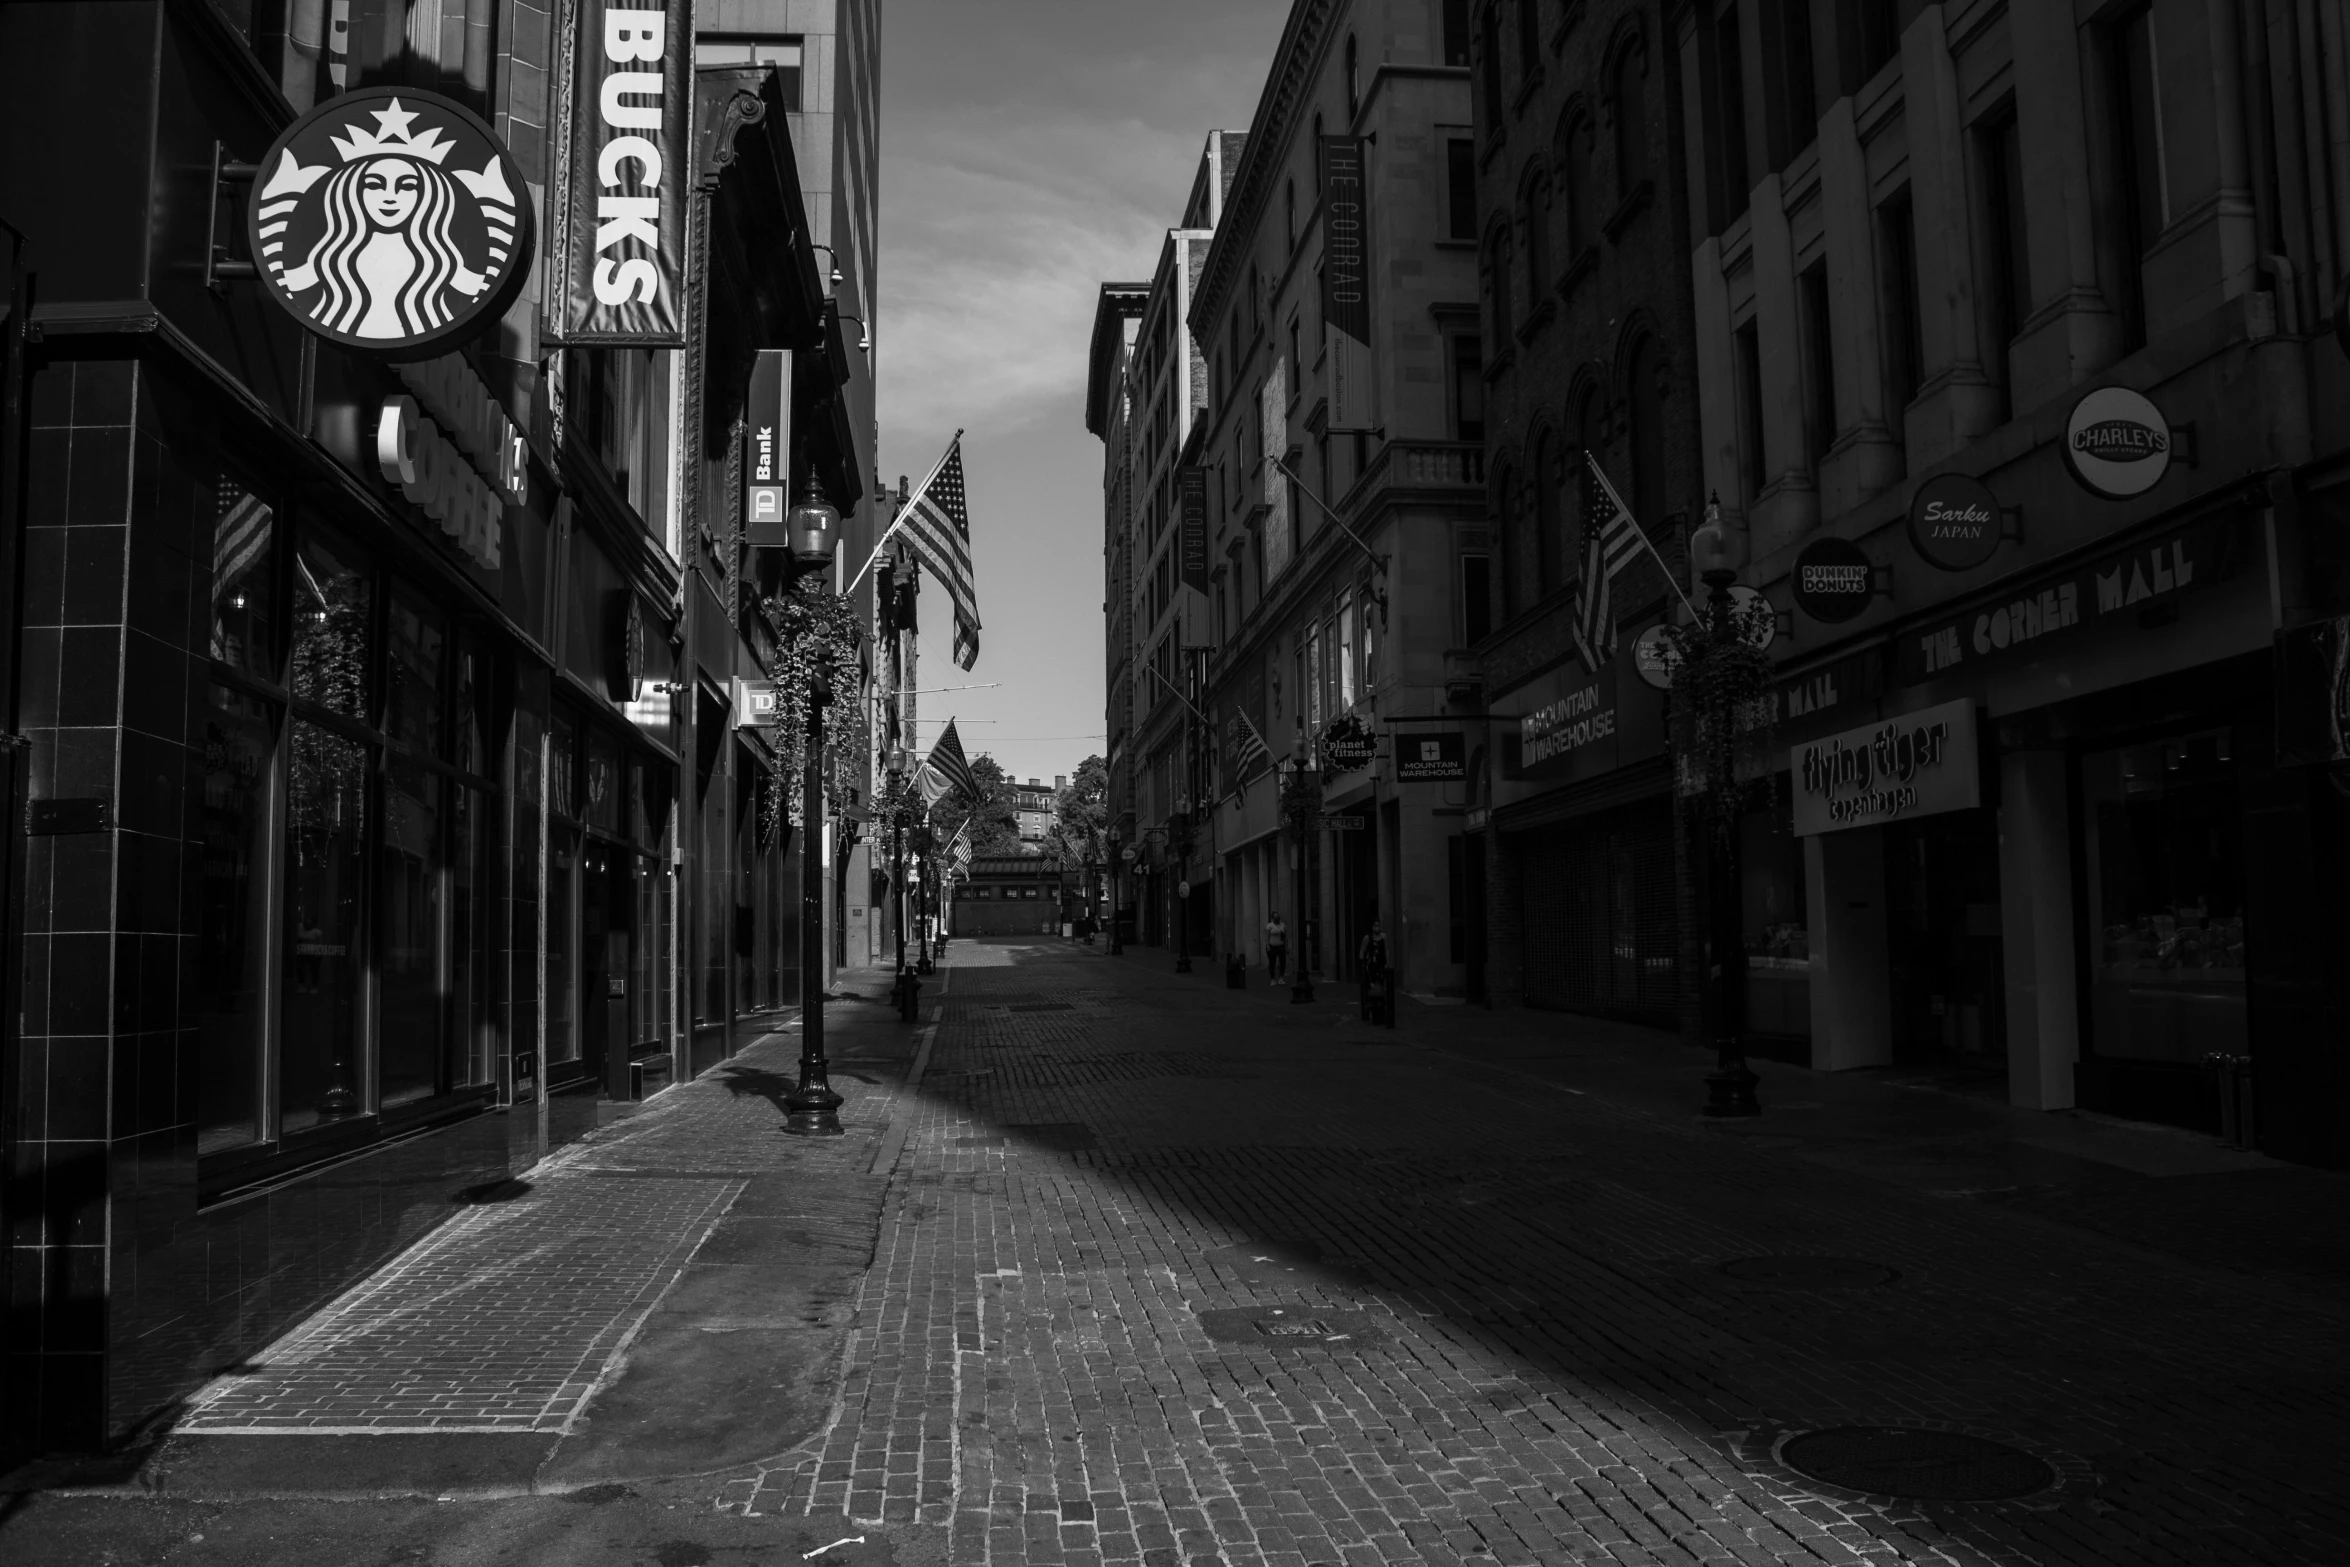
(1378, 984)
(1276, 947)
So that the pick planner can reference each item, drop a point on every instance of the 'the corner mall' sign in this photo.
(1916, 765)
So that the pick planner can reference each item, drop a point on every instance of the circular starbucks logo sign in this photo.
(2117, 443)
(391, 221)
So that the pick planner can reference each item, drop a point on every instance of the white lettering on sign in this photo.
(1915, 765)
(1568, 724)
(2051, 609)
(621, 217)
(2132, 582)
(414, 455)
(464, 409)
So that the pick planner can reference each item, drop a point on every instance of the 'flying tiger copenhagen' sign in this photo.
(1915, 765)
(392, 222)
(623, 257)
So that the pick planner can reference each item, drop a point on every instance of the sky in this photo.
(1031, 150)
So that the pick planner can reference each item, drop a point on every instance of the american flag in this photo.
(937, 529)
(948, 758)
(1248, 749)
(932, 783)
(1610, 539)
(960, 849)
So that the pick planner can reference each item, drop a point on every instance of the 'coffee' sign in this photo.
(623, 257)
(1916, 765)
(2117, 444)
(391, 221)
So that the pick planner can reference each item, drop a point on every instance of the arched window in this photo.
(1584, 423)
(1354, 88)
(1489, 43)
(1631, 120)
(1648, 432)
(1576, 193)
(1535, 223)
(1497, 286)
(1529, 37)
(1550, 541)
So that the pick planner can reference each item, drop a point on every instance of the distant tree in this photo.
(1081, 814)
(994, 816)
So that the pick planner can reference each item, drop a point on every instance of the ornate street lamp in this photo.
(812, 1109)
(1179, 836)
(1718, 553)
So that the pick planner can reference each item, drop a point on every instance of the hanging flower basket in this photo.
(817, 633)
(1724, 708)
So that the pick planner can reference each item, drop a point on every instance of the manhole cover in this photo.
(1937, 1466)
(1289, 1327)
(1809, 1272)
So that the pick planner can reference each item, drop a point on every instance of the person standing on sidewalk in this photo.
(1276, 946)
(1371, 967)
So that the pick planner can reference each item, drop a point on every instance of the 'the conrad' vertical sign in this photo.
(624, 251)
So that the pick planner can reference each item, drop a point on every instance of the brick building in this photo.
(1586, 346)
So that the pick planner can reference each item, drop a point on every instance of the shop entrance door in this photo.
(604, 965)
(1943, 944)
(1358, 892)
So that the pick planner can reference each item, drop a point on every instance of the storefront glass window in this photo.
(562, 945)
(471, 747)
(1346, 650)
(2167, 887)
(717, 904)
(233, 934)
(325, 879)
(412, 678)
(244, 596)
(469, 964)
(562, 765)
(603, 783)
(651, 988)
(1778, 938)
(331, 605)
(414, 978)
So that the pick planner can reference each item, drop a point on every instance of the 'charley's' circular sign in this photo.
(2117, 443)
(391, 221)
(1833, 579)
(1954, 522)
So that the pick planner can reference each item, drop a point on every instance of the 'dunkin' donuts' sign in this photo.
(392, 222)
(2117, 444)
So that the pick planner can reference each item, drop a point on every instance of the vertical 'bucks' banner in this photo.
(623, 256)
(1346, 303)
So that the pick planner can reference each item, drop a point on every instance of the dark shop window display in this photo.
(345, 819)
(2167, 968)
(1776, 923)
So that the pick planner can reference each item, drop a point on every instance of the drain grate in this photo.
(1810, 1272)
(1934, 1466)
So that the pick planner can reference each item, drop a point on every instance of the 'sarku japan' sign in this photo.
(391, 221)
(1954, 522)
(1915, 765)
(623, 252)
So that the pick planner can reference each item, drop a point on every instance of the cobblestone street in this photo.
(1162, 1273)
(1171, 1274)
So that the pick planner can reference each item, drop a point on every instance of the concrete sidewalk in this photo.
(668, 1296)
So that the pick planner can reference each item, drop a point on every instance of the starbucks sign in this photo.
(391, 221)
(2117, 444)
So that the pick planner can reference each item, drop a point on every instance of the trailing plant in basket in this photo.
(1301, 798)
(816, 632)
(1723, 706)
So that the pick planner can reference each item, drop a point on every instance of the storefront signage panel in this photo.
(767, 451)
(1920, 764)
(2117, 444)
(1833, 580)
(1954, 522)
(427, 469)
(1191, 485)
(392, 222)
(1441, 757)
(1346, 299)
(2040, 616)
(623, 253)
(1584, 717)
(1274, 432)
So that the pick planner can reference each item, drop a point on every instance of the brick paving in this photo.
(1542, 1358)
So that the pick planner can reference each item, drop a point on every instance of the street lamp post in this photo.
(812, 1109)
(1730, 1087)
(1301, 988)
(1179, 836)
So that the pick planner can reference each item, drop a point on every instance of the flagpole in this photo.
(899, 521)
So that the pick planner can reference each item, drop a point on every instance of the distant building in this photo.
(1033, 803)
(1010, 895)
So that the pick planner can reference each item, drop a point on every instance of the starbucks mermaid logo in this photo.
(389, 221)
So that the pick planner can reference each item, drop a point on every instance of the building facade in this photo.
(2011, 372)
(1587, 347)
(1342, 489)
(1109, 415)
(376, 838)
